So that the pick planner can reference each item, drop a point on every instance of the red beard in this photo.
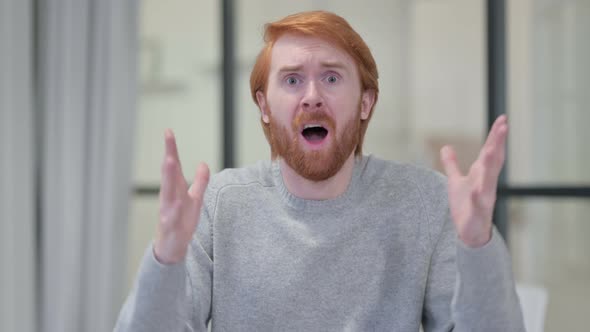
(317, 165)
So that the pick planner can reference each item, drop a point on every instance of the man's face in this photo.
(313, 105)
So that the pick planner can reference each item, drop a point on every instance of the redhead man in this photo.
(322, 237)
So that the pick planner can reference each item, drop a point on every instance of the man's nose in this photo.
(313, 98)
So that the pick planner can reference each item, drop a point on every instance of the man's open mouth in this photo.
(314, 133)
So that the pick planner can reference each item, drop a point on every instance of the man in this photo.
(324, 238)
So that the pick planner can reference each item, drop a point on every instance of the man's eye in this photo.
(332, 79)
(291, 80)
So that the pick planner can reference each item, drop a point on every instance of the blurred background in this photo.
(88, 87)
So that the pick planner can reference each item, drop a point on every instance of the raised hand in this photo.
(472, 196)
(179, 207)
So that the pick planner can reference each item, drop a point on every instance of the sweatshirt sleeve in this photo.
(468, 289)
(485, 296)
(471, 289)
(174, 297)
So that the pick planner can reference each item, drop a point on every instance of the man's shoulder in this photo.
(378, 169)
(257, 173)
(408, 182)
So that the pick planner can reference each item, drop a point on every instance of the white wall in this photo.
(548, 81)
(180, 54)
(447, 77)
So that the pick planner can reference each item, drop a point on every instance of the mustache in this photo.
(313, 117)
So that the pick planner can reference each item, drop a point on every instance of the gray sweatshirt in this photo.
(383, 256)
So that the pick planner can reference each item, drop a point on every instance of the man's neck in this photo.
(320, 190)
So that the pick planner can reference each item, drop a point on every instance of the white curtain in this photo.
(17, 169)
(88, 92)
(68, 110)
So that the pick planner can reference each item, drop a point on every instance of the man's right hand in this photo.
(179, 207)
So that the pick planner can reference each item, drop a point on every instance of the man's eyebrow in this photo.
(334, 65)
(292, 68)
(324, 64)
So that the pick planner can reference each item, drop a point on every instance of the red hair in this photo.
(330, 27)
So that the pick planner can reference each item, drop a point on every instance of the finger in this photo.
(169, 183)
(496, 138)
(449, 161)
(171, 148)
(197, 190)
(492, 158)
(493, 153)
(172, 152)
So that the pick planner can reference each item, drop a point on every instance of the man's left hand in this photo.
(472, 196)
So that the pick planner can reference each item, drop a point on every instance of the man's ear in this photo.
(261, 99)
(367, 102)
